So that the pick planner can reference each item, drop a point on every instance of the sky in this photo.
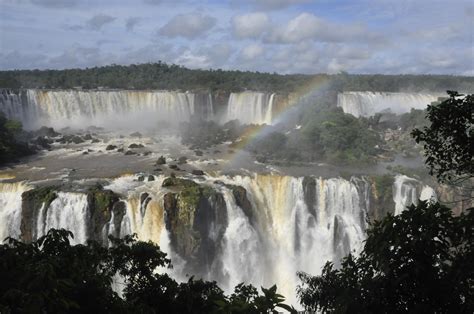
(283, 36)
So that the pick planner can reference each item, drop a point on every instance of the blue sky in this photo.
(285, 36)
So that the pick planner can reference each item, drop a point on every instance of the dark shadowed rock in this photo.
(100, 204)
(197, 172)
(136, 134)
(77, 139)
(31, 203)
(110, 147)
(45, 131)
(134, 145)
(196, 218)
(161, 161)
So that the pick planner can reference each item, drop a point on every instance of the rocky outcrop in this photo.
(196, 218)
(457, 198)
(310, 196)
(32, 201)
(381, 197)
(241, 200)
(101, 203)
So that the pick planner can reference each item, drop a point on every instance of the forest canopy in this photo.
(173, 77)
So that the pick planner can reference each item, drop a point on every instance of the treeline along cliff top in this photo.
(173, 77)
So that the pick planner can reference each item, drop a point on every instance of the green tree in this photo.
(52, 276)
(421, 261)
(10, 147)
(449, 138)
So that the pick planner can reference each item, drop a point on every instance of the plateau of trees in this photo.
(326, 135)
(160, 75)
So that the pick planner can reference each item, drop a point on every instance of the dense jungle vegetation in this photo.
(173, 77)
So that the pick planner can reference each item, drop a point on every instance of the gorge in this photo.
(251, 222)
(221, 228)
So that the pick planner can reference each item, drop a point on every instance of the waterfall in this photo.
(365, 104)
(241, 246)
(110, 109)
(10, 209)
(288, 224)
(407, 191)
(69, 211)
(250, 107)
(285, 235)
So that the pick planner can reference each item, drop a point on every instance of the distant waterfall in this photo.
(110, 109)
(365, 104)
(250, 107)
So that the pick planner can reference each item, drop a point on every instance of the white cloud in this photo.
(250, 25)
(218, 53)
(98, 21)
(252, 52)
(272, 4)
(189, 25)
(307, 26)
(193, 61)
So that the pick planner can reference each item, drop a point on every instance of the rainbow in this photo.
(253, 132)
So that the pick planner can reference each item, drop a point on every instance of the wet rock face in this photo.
(101, 203)
(309, 189)
(241, 199)
(32, 201)
(341, 242)
(119, 209)
(381, 197)
(196, 219)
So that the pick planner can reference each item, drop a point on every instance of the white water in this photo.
(407, 191)
(68, 211)
(10, 209)
(281, 236)
(365, 104)
(250, 108)
(284, 236)
(110, 109)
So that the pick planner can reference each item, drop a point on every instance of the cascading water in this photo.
(250, 107)
(68, 211)
(112, 109)
(10, 209)
(407, 191)
(365, 104)
(290, 224)
(284, 235)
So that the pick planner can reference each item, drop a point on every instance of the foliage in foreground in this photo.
(421, 261)
(52, 276)
(449, 139)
